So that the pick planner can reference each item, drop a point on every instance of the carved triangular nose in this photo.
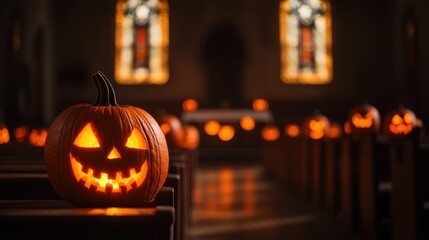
(114, 154)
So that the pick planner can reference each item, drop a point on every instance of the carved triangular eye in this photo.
(136, 140)
(86, 138)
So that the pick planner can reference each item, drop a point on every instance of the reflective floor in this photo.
(237, 201)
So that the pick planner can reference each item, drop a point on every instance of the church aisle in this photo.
(237, 201)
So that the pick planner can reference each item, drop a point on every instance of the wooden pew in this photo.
(27, 180)
(332, 156)
(364, 186)
(410, 188)
(57, 219)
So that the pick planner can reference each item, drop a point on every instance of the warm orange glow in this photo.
(334, 131)
(156, 70)
(226, 133)
(260, 105)
(347, 128)
(20, 133)
(292, 130)
(360, 121)
(212, 127)
(408, 119)
(38, 137)
(290, 71)
(247, 123)
(190, 136)
(4, 135)
(226, 187)
(165, 128)
(118, 211)
(270, 133)
(190, 105)
(86, 138)
(104, 183)
(114, 154)
(317, 129)
(136, 140)
(401, 126)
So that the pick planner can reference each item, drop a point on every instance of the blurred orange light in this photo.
(37, 137)
(270, 133)
(20, 133)
(334, 130)
(4, 135)
(260, 105)
(165, 128)
(226, 133)
(292, 130)
(190, 105)
(247, 123)
(212, 127)
(347, 128)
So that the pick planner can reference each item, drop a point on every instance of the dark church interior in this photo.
(214, 120)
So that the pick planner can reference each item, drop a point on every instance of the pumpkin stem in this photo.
(103, 90)
(112, 95)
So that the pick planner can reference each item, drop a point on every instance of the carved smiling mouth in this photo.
(106, 183)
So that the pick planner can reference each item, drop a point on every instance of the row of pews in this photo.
(378, 187)
(30, 207)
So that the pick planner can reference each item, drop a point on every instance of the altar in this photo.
(234, 137)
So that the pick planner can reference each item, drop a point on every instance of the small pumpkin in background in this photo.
(364, 120)
(334, 131)
(37, 137)
(315, 126)
(400, 122)
(177, 135)
(190, 137)
(4, 134)
(106, 154)
(171, 127)
(21, 133)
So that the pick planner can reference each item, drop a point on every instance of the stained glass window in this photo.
(305, 41)
(141, 42)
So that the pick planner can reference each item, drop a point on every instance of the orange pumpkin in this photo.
(315, 126)
(106, 154)
(400, 122)
(190, 137)
(364, 120)
(171, 126)
(37, 137)
(4, 134)
(335, 131)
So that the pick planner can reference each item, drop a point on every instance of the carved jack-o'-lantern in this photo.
(364, 120)
(106, 154)
(4, 134)
(37, 137)
(400, 122)
(315, 126)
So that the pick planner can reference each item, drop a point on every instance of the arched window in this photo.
(305, 41)
(141, 42)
